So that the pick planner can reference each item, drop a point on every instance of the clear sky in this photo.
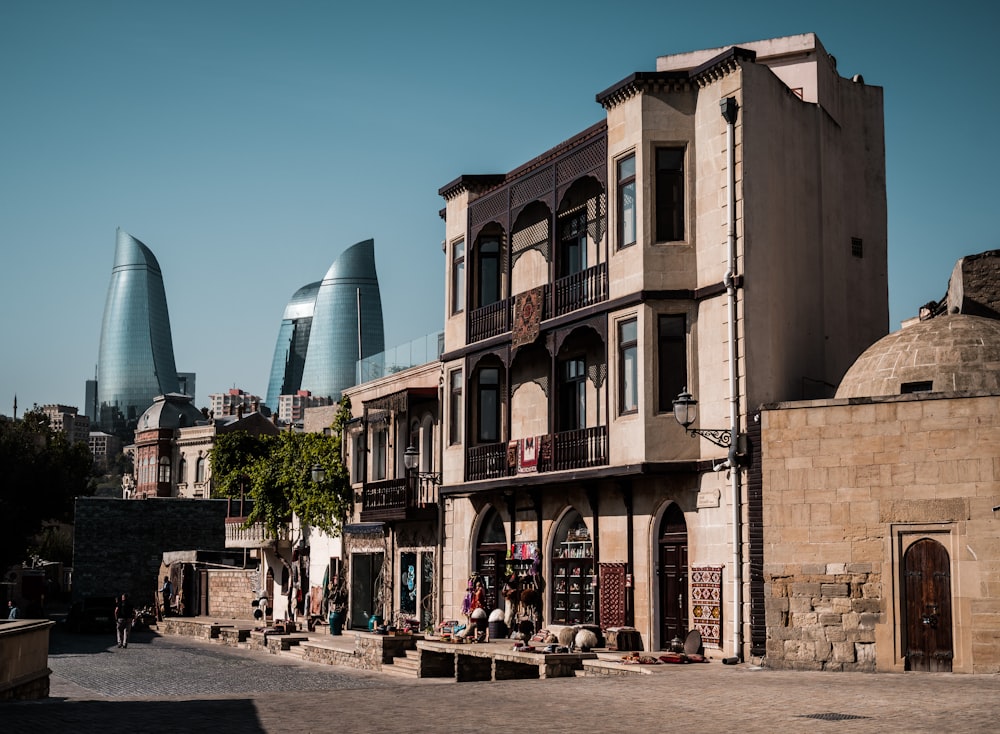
(248, 143)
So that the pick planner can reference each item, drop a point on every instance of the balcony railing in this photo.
(579, 290)
(579, 449)
(487, 461)
(491, 320)
(396, 499)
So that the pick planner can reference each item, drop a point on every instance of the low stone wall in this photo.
(822, 616)
(370, 651)
(24, 659)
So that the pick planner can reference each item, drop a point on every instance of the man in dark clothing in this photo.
(124, 614)
(166, 593)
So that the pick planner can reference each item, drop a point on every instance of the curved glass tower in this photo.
(292, 346)
(347, 322)
(136, 358)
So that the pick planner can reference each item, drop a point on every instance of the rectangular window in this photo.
(358, 456)
(672, 359)
(573, 244)
(628, 367)
(669, 194)
(573, 395)
(626, 202)
(458, 277)
(381, 454)
(488, 276)
(489, 405)
(455, 409)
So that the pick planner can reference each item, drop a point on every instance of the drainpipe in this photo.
(730, 113)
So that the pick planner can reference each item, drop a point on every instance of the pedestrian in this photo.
(167, 593)
(14, 612)
(124, 614)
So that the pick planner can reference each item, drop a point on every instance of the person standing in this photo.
(124, 614)
(167, 593)
(13, 611)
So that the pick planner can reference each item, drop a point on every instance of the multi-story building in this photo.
(346, 324)
(291, 408)
(67, 419)
(136, 357)
(104, 447)
(389, 548)
(234, 402)
(720, 233)
(292, 344)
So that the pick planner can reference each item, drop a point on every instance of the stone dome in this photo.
(170, 411)
(956, 352)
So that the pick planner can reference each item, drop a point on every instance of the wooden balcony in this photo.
(254, 536)
(579, 290)
(491, 320)
(398, 499)
(579, 449)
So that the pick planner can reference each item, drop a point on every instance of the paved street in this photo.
(178, 684)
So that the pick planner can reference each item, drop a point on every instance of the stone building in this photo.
(880, 507)
(683, 242)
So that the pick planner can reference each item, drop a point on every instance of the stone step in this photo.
(403, 665)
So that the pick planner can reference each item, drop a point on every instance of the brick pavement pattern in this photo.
(187, 685)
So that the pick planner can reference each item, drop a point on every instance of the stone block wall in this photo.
(822, 616)
(230, 593)
(118, 545)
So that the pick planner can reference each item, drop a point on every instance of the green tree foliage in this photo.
(42, 474)
(275, 473)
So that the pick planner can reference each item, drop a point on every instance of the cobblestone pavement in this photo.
(183, 685)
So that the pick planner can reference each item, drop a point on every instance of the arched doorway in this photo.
(926, 606)
(673, 575)
(491, 557)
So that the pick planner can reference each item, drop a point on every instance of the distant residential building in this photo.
(234, 402)
(104, 447)
(291, 408)
(67, 419)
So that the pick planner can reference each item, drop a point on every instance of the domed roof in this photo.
(943, 354)
(170, 411)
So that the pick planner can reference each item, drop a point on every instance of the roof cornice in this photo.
(646, 82)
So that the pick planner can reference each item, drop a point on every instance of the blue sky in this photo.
(249, 143)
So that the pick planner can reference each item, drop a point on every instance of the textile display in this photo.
(612, 596)
(527, 317)
(527, 456)
(706, 602)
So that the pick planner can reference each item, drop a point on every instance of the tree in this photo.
(275, 473)
(42, 475)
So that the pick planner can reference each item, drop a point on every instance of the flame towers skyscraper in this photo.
(136, 358)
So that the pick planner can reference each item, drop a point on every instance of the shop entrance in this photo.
(366, 583)
(673, 576)
(927, 607)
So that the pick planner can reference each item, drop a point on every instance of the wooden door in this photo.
(927, 607)
(673, 557)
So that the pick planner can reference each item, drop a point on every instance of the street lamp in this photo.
(318, 474)
(686, 412)
(411, 460)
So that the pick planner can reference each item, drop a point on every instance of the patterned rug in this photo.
(706, 602)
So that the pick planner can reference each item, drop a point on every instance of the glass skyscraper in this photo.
(293, 342)
(136, 358)
(346, 324)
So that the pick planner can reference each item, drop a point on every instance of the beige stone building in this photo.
(721, 229)
(881, 507)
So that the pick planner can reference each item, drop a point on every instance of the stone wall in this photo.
(848, 486)
(230, 593)
(118, 544)
(822, 616)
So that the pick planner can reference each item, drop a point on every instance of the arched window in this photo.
(199, 469)
(573, 572)
(181, 470)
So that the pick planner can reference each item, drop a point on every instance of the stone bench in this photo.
(474, 662)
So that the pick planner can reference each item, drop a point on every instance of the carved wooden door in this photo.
(927, 607)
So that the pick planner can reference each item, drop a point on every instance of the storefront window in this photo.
(573, 598)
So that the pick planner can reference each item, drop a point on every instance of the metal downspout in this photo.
(730, 112)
